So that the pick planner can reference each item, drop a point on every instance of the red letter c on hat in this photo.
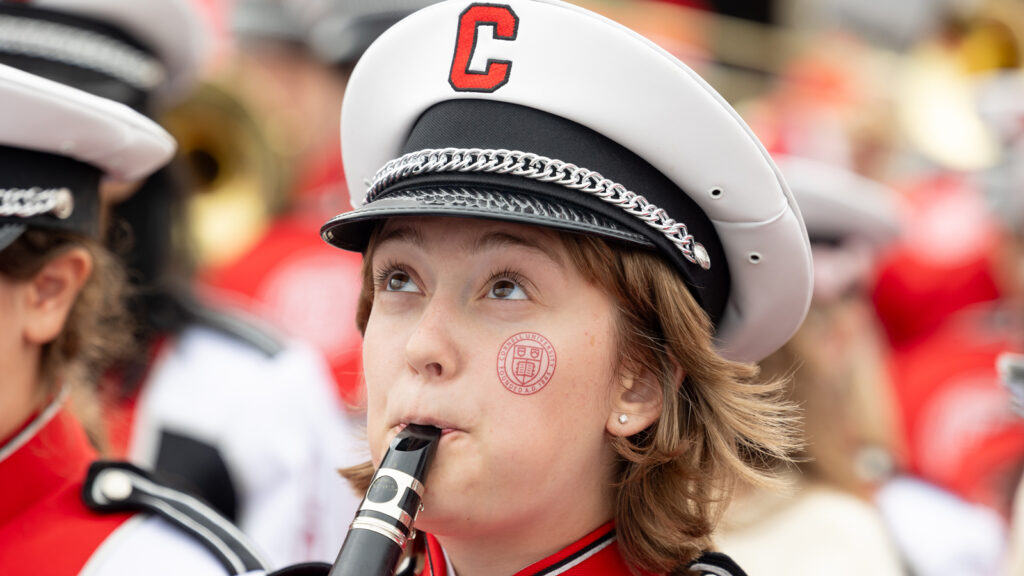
(506, 24)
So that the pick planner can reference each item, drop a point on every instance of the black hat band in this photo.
(541, 169)
(43, 190)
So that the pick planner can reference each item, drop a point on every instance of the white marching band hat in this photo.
(838, 204)
(544, 113)
(132, 51)
(850, 220)
(56, 145)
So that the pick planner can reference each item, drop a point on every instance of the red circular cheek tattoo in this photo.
(526, 363)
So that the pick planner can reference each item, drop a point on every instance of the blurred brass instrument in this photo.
(237, 180)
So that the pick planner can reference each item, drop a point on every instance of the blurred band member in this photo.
(227, 409)
(61, 511)
(829, 524)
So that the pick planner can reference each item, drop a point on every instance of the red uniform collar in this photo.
(45, 527)
(49, 453)
(596, 554)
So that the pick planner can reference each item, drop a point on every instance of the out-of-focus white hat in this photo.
(850, 219)
(56, 144)
(544, 113)
(120, 49)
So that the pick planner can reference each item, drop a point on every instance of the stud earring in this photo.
(623, 418)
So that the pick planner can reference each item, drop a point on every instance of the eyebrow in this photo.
(491, 240)
(400, 234)
(504, 240)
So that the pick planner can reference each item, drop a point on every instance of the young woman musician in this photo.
(573, 249)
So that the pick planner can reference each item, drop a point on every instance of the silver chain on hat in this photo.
(29, 202)
(543, 169)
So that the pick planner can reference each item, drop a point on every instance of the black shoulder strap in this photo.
(119, 486)
(715, 564)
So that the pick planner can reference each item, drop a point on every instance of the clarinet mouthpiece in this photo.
(383, 524)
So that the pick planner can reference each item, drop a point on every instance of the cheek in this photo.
(382, 356)
(587, 371)
(383, 353)
(526, 363)
(556, 383)
(13, 319)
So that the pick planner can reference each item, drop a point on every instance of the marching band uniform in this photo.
(596, 554)
(256, 433)
(46, 526)
(61, 512)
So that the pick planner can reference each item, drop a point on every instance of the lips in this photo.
(446, 427)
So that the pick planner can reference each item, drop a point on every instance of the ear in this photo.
(52, 292)
(636, 402)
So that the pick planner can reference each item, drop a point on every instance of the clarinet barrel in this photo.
(383, 524)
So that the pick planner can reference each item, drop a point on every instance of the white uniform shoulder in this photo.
(277, 424)
(150, 545)
(234, 381)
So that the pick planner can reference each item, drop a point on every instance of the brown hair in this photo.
(718, 426)
(97, 327)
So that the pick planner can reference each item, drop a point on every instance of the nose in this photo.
(431, 350)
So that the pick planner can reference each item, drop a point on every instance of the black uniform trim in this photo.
(580, 555)
(716, 564)
(119, 486)
(197, 467)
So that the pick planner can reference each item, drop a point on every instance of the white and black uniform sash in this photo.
(118, 486)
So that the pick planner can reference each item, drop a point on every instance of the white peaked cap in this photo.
(850, 220)
(54, 138)
(172, 29)
(48, 116)
(839, 204)
(555, 93)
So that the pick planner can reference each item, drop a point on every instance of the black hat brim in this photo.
(9, 233)
(352, 230)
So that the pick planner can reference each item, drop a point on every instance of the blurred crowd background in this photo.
(898, 124)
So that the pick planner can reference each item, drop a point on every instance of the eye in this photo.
(507, 286)
(399, 281)
(395, 279)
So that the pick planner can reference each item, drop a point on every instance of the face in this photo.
(34, 313)
(11, 312)
(16, 360)
(487, 331)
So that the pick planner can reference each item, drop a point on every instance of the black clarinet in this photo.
(383, 523)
